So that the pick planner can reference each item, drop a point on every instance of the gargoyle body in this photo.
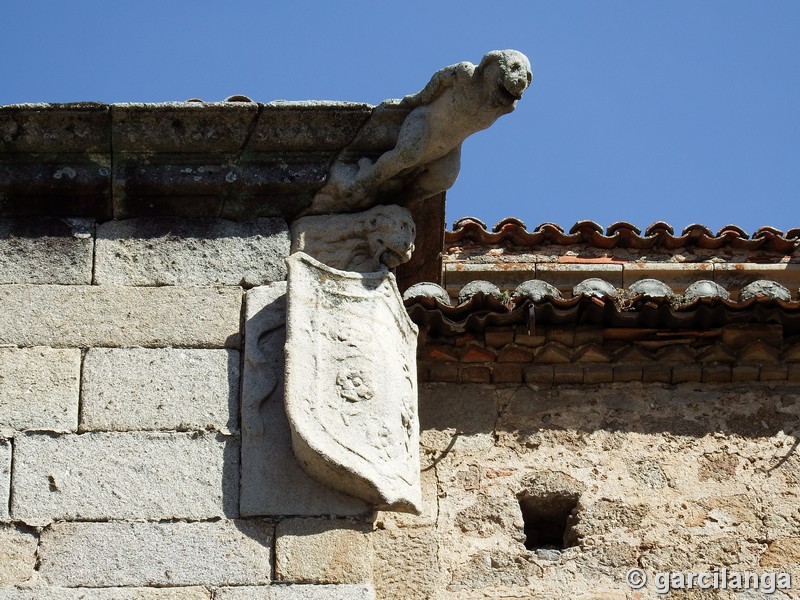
(458, 101)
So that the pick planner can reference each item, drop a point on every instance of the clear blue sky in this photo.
(682, 111)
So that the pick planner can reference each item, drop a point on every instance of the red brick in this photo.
(443, 371)
(507, 373)
(538, 374)
(777, 372)
(561, 335)
(474, 352)
(568, 374)
(475, 374)
(658, 373)
(794, 372)
(717, 373)
(499, 336)
(685, 373)
(535, 339)
(464, 339)
(600, 373)
(741, 373)
(440, 353)
(627, 373)
(514, 353)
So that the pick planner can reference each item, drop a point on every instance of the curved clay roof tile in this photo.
(460, 223)
(501, 224)
(623, 226)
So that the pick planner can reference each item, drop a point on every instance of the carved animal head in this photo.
(508, 73)
(390, 233)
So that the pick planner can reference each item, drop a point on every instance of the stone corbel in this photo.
(351, 384)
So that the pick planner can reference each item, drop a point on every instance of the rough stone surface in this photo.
(458, 101)
(205, 317)
(46, 251)
(5, 477)
(160, 554)
(39, 388)
(679, 478)
(59, 593)
(273, 483)
(322, 551)
(380, 237)
(191, 252)
(124, 476)
(17, 555)
(297, 592)
(130, 389)
(354, 423)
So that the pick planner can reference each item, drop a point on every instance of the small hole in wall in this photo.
(548, 518)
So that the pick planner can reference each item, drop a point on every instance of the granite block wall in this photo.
(121, 455)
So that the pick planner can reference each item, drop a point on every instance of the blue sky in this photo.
(681, 111)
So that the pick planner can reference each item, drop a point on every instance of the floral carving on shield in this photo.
(351, 394)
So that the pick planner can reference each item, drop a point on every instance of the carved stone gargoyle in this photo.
(351, 384)
(458, 101)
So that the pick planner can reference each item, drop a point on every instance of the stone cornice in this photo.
(236, 160)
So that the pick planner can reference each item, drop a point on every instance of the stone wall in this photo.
(121, 453)
(145, 453)
(602, 478)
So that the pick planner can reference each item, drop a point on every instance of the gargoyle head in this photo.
(508, 73)
(390, 234)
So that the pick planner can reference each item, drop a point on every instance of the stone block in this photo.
(297, 592)
(322, 551)
(124, 476)
(115, 316)
(140, 593)
(17, 555)
(156, 554)
(273, 483)
(39, 388)
(5, 477)
(131, 389)
(171, 251)
(45, 250)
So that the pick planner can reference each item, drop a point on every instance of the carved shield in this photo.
(351, 383)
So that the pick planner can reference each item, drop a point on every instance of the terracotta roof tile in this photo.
(620, 235)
